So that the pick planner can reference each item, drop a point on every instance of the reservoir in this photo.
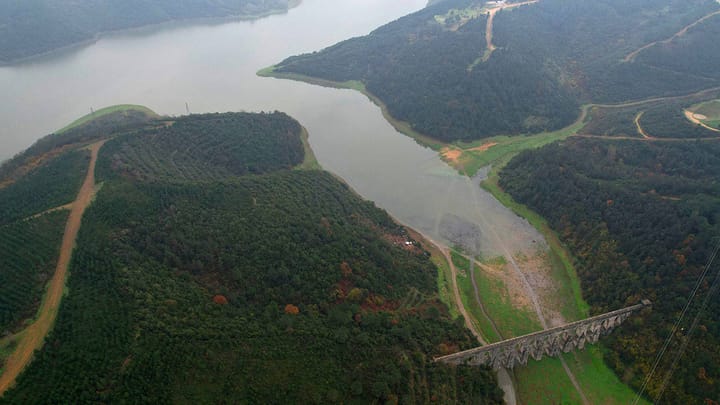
(211, 66)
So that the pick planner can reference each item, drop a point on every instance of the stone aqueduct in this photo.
(550, 342)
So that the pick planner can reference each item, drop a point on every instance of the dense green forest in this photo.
(30, 28)
(209, 147)
(662, 118)
(270, 286)
(641, 219)
(115, 122)
(54, 184)
(551, 56)
(28, 253)
(668, 121)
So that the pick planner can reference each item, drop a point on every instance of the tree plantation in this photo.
(641, 220)
(227, 276)
(551, 56)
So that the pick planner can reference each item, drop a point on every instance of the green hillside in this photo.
(29, 28)
(28, 253)
(434, 69)
(51, 185)
(244, 282)
(641, 219)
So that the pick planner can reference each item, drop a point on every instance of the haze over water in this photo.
(212, 68)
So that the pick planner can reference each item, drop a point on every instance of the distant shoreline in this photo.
(401, 126)
(158, 25)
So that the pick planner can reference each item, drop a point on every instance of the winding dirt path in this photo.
(531, 293)
(654, 99)
(504, 379)
(635, 138)
(489, 46)
(479, 301)
(639, 127)
(34, 335)
(631, 56)
(456, 295)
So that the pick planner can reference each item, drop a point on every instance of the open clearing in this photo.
(105, 111)
(695, 120)
(706, 114)
(33, 336)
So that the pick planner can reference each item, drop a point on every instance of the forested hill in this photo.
(30, 28)
(212, 268)
(642, 219)
(433, 68)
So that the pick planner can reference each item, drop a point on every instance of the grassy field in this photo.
(444, 277)
(509, 320)
(498, 150)
(458, 16)
(310, 162)
(710, 109)
(532, 380)
(602, 385)
(562, 262)
(598, 382)
(545, 382)
(106, 111)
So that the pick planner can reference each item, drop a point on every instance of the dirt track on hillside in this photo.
(504, 379)
(631, 56)
(639, 127)
(34, 335)
(490, 47)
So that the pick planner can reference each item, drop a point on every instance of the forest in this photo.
(98, 126)
(255, 282)
(662, 118)
(641, 220)
(207, 147)
(29, 28)
(670, 122)
(28, 253)
(49, 186)
(551, 57)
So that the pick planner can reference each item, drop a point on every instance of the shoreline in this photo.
(403, 127)
(157, 25)
(490, 184)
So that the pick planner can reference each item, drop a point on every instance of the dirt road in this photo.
(631, 56)
(691, 116)
(504, 379)
(456, 295)
(34, 335)
(639, 127)
(530, 292)
(490, 47)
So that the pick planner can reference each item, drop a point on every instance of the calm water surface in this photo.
(212, 68)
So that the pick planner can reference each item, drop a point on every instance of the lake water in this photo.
(211, 66)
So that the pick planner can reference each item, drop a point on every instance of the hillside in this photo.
(29, 28)
(228, 272)
(453, 76)
(641, 219)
